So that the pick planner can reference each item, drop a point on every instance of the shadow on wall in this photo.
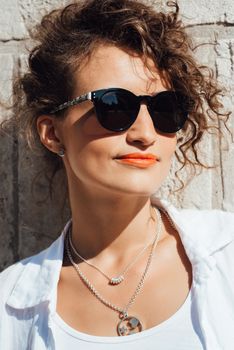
(30, 216)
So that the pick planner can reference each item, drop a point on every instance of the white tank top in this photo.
(179, 332)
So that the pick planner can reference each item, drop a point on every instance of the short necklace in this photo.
(112, 280)
(127, 324)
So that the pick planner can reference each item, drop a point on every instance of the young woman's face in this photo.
(91, 151)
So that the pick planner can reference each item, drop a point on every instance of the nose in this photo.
(142, 130)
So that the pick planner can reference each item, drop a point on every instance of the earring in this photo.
(61, 152)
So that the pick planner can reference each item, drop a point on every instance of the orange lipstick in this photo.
(140, 160)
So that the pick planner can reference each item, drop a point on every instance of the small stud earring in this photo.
(61, 152)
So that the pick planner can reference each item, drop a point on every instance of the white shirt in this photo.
(28, 289)
(176, 333)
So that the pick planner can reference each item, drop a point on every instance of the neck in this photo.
(109, 227)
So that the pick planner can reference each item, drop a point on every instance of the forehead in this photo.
(110, 66)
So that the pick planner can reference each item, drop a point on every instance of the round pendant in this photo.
(116, 280)
(129, 325)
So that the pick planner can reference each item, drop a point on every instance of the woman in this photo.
(110, 85)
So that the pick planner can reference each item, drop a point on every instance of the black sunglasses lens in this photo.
(116, 110)
(169, 111)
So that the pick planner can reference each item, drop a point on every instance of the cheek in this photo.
(88, 156)
(85, 130)
(88, 146)
(167, 146)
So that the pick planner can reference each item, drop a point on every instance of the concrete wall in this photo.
(27, 222)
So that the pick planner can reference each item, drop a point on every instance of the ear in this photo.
(46, 127)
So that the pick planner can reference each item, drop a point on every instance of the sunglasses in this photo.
(117, 109)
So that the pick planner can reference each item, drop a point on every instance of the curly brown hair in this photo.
(66, 37)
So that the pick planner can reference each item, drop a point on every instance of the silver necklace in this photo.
(169, 218)
(112, 280)
(127, 324)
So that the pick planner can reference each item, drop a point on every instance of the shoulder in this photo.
(211, 221)
(214, 228)
(208, 238)
(203, 232)
(208, 218)
(35, 274)
(13, 320)
(207, 225)
(12, 274)
(25, 289)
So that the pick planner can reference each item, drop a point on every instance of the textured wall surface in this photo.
(27, 222)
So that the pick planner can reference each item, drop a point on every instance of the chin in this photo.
(139, 189)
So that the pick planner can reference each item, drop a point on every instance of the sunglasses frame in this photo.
(95, 95)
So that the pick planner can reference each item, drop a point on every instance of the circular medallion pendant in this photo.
(129, 325)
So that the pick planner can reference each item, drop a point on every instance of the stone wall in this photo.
(28, 222)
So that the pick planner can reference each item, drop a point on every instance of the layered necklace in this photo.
(127, 324)
(119, 277)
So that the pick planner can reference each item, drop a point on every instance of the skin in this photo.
(110, 201)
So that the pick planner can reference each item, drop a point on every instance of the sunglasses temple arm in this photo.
(73, 102)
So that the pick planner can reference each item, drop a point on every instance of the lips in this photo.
(139, 160)
(138, 156)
